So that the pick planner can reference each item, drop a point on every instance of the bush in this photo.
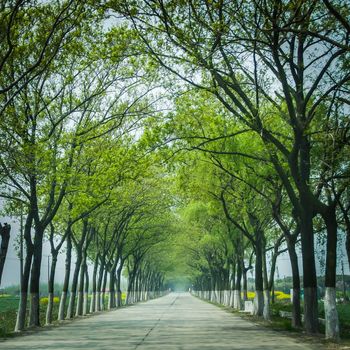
(282, 296)
(251, 295)
(45, 300)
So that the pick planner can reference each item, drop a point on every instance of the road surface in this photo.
(176, 321)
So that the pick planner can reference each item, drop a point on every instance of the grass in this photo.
(281, 324)
(8, 314)
(9, 306)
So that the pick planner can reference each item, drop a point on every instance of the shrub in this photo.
(282, 296)
(251, 295)
(45, 300)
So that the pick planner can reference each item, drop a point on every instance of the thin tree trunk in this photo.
(65, 288)
(119, 292)
(245, 284)
(80, 299)
(237, 300)
(296, 310)
(266, 311)
(73, 290)
(86, 292)
(99, 286)
(330, 305)
(94, 286)
(5, 239)
(103, 292)
(22, 308)
(34, 311)
(111, 299)
(259, 287)
(51, 287)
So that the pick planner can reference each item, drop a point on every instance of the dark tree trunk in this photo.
(309, 268)
(331, 314)
(86, 292)
(112, 277)
(237, 302)
(80, 299)
(119, 292)
(5, 239)
(259, 280)
(94, 286)
(296, 311)
(22, 308)
(34, 312)
(103, 291)
(51, 288)
(65, 288)
(73, 290)
(245, 285)
(99, 285)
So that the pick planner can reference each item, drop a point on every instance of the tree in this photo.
(256, 54)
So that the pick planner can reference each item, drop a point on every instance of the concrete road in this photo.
(176, 321)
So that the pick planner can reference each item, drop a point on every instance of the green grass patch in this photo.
(343, 313)
(8, 314)
(9, 306)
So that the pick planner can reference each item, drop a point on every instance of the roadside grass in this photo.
(9, 306)
(284, 325)
(8, 314)
(281, 324)
(343, 313)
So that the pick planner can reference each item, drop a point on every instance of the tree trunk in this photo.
(103, 291)
(34, 311)
(51, 287)
(330, 305)
(309, 268)
(80, 299)
(94, 286)
(111, 299)
(99, 286)
(119, 292)
(245, 284)
(73, 290)
(266, 310)
(5, 239)
(296, 311)
(86, 292)
(237, 302)
(233, 281)
(63, 300)
(22, 308)
(259, 286)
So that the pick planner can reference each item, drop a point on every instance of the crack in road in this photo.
(156, 324)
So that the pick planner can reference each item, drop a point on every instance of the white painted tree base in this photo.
(331, 314)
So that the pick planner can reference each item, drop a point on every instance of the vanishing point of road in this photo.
(175, 321)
